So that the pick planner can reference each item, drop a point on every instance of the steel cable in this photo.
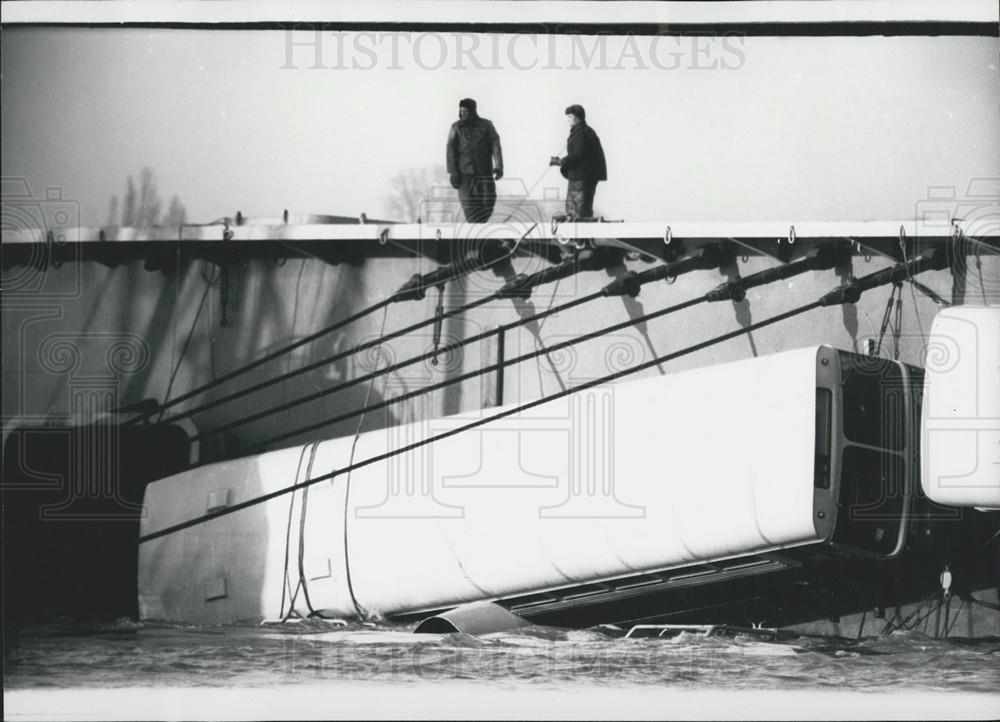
(277, 353)
(447, 348)
(257, 363)
(727, 290)
(544, 350)
(847, 293)
(477, 423)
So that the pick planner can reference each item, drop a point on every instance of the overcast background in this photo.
(730, 129)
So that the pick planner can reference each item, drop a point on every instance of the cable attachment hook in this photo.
(856, 244)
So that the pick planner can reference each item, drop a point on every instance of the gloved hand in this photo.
(456, 180)
(498, 173)
(554, 160)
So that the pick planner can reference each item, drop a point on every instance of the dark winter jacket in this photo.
(474, 148)
(584, 155)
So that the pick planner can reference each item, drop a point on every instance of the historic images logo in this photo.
(547, 50)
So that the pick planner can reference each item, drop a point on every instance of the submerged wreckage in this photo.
(789, 488)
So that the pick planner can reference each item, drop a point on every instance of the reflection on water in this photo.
(127, 654)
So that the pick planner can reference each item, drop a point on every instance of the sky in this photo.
(713, 129)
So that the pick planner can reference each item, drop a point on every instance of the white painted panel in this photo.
(636, 476)
(960, 438)
(247, 548)
(701, 465)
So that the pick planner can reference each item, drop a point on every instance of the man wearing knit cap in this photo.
(474, 161)
(583, 166)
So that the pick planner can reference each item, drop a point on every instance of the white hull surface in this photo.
(645, 475)
(960, 425)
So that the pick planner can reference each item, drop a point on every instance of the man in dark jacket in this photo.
(583, 166)
(474, 160)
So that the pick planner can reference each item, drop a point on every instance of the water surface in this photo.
(316, 656)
